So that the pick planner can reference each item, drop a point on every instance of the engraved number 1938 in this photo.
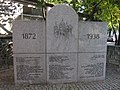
(93, 36)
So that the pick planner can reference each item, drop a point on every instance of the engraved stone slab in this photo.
(62, 29)
(92, 36)
(62, 68)
(30, 68)
(91, 66)
(29, 36)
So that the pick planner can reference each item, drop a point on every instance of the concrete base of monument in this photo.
(92, 79)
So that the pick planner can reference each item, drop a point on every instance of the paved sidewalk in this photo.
(112, 82)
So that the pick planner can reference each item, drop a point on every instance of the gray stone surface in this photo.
(62, 29)
(30, 68)
(91, 66)
(63, 51)
(92, 36)
(62, 68)
(29, 36)
(92, 51)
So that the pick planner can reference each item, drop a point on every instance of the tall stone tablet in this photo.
(92, 51)
(62, 29)
(92, 36)
(62, 44)
(29, 52)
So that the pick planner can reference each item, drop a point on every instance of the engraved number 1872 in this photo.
(29, 36)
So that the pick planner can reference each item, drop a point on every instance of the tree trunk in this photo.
(119, 35)
(116, 40)
(109, 34)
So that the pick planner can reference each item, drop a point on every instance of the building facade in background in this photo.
(11, 10)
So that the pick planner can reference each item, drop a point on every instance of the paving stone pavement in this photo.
(112, 82)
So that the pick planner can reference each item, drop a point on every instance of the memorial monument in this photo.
(62, 51)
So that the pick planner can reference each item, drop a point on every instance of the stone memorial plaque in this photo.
(64, 51)
(62, 29)
(92, 36)
(30, 68)
(29, 36)
(62, 68)
(91, 66)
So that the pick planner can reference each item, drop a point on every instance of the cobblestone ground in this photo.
(112, 82)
